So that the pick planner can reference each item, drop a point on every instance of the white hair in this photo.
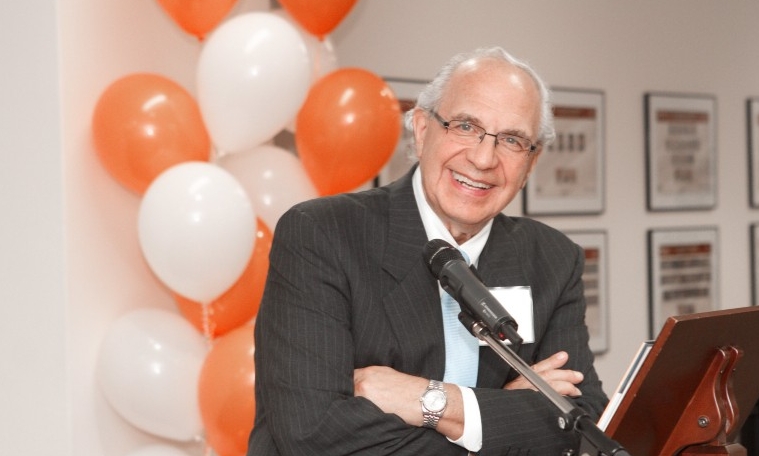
(429, 98)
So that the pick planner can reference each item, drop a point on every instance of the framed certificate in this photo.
(680, 152)
(569, 175)
(682, 273)
(594, 278)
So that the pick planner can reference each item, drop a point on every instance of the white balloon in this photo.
(273, 178)
(197, 229)
(148, 368)
(158, 450)
(321, 52)
(253, 76)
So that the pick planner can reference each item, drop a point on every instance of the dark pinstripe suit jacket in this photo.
(347, 288)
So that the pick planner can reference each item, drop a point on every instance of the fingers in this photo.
(554, 361)
(566, 387)
(562, 381)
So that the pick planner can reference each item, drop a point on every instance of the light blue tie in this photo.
(462, 349)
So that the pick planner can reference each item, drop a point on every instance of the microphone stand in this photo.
(593, 442)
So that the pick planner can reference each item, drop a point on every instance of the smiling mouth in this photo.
(470, 183)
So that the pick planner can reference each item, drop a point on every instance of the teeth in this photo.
(469, 182)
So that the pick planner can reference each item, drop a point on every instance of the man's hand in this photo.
(391, 391)
(399, 393)
(561, 380)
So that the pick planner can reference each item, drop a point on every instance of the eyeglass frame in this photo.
(446, 124)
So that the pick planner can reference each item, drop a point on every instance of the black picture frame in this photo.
(683, 268)
(681, 154)
(595, 281)
(569, 177)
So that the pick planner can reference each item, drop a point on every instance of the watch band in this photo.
(430, 418)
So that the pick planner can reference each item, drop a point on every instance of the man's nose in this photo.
(484, 155)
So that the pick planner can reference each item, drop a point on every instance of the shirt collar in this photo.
(435, 229)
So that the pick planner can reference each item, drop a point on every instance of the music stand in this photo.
(695, 388)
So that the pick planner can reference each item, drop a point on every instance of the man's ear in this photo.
(419, 122)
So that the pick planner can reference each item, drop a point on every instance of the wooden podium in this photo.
(695, 388)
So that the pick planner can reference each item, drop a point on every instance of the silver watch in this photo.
(434, 401)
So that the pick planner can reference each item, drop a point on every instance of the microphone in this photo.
(460, 281)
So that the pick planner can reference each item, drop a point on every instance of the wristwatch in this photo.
(434, 401)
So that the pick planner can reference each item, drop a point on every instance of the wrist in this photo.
(434, 401)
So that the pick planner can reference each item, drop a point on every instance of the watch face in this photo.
(434, 400)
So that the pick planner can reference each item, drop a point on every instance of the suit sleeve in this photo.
(305, 355)
(525, 421)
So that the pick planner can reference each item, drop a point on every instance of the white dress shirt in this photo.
(471, 439)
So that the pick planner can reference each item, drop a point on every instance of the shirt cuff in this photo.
(471, 439)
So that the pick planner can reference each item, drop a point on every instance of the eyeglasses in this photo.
(468, 134)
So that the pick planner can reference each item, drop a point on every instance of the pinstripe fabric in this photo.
(347, 288)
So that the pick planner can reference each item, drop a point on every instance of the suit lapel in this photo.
(499, 266)
(412, 302)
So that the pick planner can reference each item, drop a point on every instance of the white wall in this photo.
(70, 258)
(33, 393)
(623, 49)
(107, 277)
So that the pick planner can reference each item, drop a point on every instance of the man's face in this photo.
(467, 186)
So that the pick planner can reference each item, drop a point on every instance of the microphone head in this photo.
(437, 253)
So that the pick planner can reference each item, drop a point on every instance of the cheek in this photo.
(523, 178)
(528, 171)
(428, 151)
(515, 178)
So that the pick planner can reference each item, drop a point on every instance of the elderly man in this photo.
(352, 352)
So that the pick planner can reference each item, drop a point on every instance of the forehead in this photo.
(493, 90)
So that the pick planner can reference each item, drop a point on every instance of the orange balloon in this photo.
(318, 17)
(347, 129)
(240, 303)
(145, 123)
(197, 17)
(226, 392)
